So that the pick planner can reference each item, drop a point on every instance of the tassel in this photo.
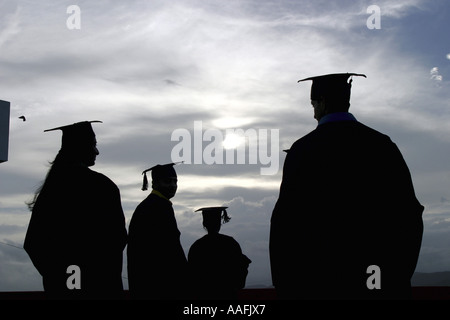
(225, 216)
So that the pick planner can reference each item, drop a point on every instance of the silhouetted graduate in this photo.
(157, 265)
(77, 219)
(346, 202)
(216, 263)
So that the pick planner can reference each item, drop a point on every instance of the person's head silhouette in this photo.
(330, 93)
(164, 179)
(78, 149)
(78, 144)
(213, 218)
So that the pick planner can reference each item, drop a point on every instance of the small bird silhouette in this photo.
(23, 118)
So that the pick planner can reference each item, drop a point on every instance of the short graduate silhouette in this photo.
(346, 203)
(217, 266)
(77, 219)
(157, 265)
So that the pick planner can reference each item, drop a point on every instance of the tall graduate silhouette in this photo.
(157, 265)
(77, 219)
(346, 203)
(217, 266)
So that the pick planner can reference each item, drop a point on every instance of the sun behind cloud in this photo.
(232, 141)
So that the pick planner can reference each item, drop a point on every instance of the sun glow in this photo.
(232, 141)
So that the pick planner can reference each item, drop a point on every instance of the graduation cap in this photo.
(159, 171)
(220, 212)
(76, 135)
(332, 86)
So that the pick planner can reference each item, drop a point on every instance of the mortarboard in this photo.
(77, 134)
(220, 211)
(159, 171)
(334, 86)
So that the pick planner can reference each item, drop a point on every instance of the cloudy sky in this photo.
(149, 68)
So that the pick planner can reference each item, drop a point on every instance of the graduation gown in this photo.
(346, 202)
(78, 220)
(217, 267)
(157, 265)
